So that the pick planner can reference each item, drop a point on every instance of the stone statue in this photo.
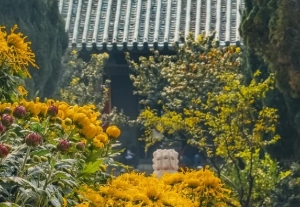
(165, 160)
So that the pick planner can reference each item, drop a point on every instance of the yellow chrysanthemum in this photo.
(89, 131)
(4, 106)
(113, 131)
(33, 108)
(19, 51)
(102, 137)
(22, 91)
(97, 143)
(3, 45)
(65, 202)
(34, 119)
(68, 121)
(132, 189)
(193, 183)
(172, 179)
(81, 119)
(84, 204)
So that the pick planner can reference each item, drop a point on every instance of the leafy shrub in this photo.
(49, 148)
(287, 191)
(52, 148)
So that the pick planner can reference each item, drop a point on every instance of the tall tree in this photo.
(199, 95)
(271, 34)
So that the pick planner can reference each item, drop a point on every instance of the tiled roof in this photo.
(132, 23)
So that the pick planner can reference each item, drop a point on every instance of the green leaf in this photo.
(66, 163)
(3, 191)
(54, 195)
(70, 183)
(37, 127)
(17, 180)
(17, 129)
(7, 204)
(41, 152)
(61, 175)
(52, 162)
(91, 167)
(34, 171)
(94, 156)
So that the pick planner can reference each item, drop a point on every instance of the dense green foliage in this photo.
(271, 26)
(270, 31)
(287, 192)
(47, 149)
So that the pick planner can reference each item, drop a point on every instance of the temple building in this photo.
(136, 26)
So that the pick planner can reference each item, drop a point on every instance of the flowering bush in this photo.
(49, 148)
(199, 95)
(191, 188)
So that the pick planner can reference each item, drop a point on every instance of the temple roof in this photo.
(125, 24)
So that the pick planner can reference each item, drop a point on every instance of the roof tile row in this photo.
(99, 23)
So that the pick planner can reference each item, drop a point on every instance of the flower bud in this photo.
(13, 135)
(44, 159)
(63, 145)
(7, 110)
(34, 119)
(7, 120)
(67, 170)
(33, 139)
(58, 120)
(103, 167)
(61, 184)
(19, 112)
(36, 158)
(2, 129)
(3, 151)
(52, 110)
(68, 121)
(80, 146)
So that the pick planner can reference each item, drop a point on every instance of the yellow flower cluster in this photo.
(83, 119)
(191, 188)
(15, 52)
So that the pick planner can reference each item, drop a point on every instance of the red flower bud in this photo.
(80, 146)
(33, 139)
(2, 129)
(63, 145)
(3, 151)
(52, 110)
(7, 120)
(19, 112)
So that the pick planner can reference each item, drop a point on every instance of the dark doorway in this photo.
(122, 97)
